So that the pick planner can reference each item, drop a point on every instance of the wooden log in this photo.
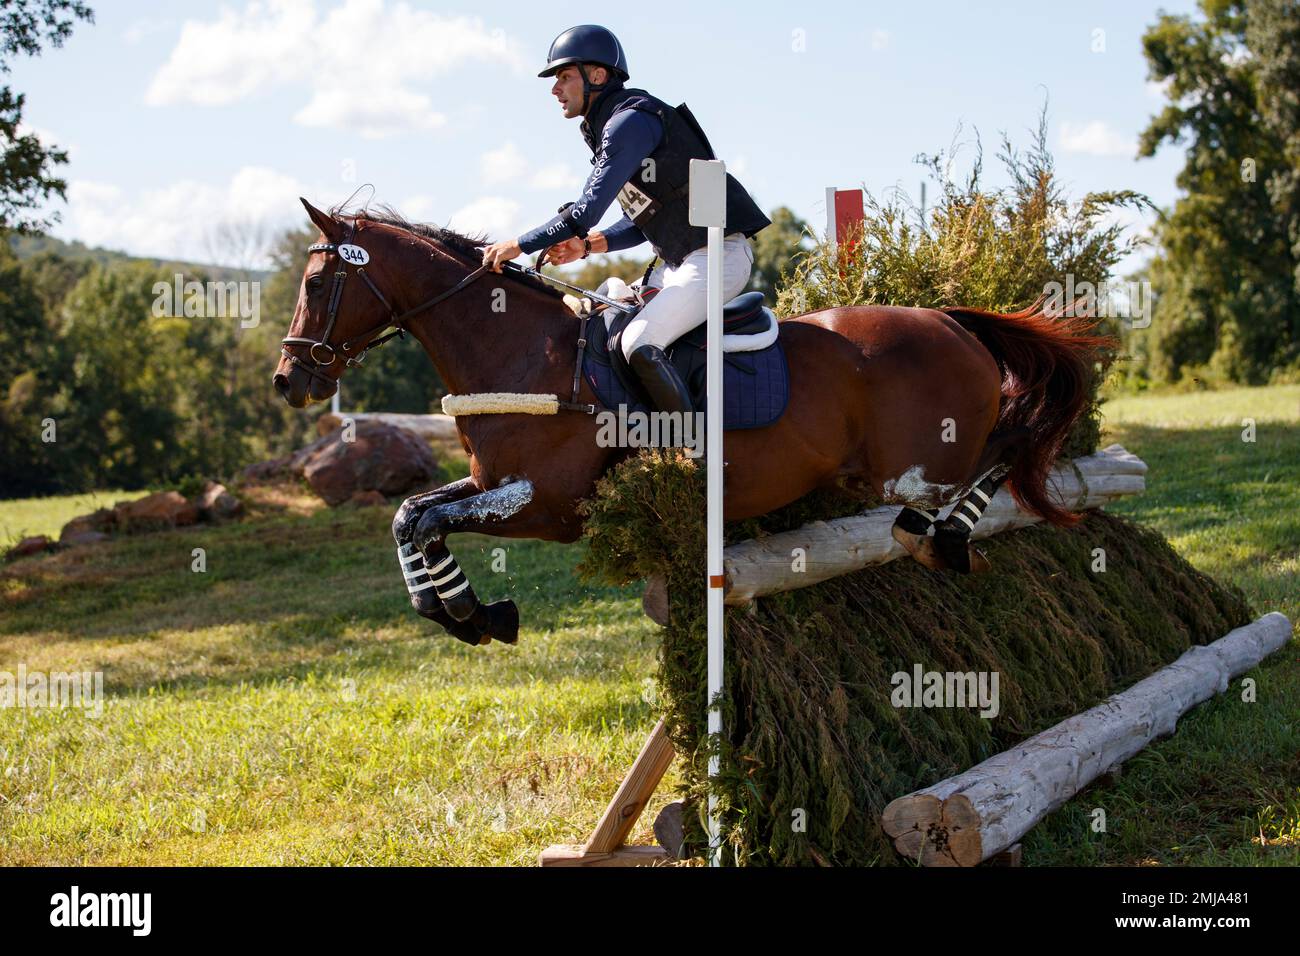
(830, 548)
(429, 427)
(976, 815)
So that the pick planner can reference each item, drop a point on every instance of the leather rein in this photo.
(398, 322)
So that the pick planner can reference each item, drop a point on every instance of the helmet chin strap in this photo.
(589, 88)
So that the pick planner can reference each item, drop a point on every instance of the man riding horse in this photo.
(922, 407)
(641, 153)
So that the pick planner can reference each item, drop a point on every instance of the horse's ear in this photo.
(323, 220)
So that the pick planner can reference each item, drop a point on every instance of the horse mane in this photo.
(470, 246)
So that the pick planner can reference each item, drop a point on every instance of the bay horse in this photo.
(923, 407)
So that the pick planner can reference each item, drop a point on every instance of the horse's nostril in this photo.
(281, 382)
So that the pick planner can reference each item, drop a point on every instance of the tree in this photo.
(1226, 272)
(26, 165)
(776, 250)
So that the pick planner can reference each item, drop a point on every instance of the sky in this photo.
(189, 122)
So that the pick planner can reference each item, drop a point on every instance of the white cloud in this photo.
(419, 208)
(143, 28)
(178, 220)
(1096, 139)
(504, 165)
(363, 64)
(494, 216)
(556, 176)
(346, 108)
(879, 39)
(508, 165)
(1158, 89)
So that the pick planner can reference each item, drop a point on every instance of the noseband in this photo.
(328, 353)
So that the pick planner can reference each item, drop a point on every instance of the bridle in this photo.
(344, 349)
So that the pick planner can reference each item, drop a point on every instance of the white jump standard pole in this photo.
(708, 208)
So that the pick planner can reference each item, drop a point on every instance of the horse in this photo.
(922, 407)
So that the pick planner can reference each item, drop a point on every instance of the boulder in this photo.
(365, 499)
(215, 503)
(97, 522)
(163, 509)
(382, 458)
(285, 465)
(33, 545)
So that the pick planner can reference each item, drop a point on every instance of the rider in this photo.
(641, 152)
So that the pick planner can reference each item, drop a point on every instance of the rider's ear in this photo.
(323, 220)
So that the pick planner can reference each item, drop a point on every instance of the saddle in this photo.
(746, 315)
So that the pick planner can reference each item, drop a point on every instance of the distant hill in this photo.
(25, 247)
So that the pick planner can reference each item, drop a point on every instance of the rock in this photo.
(382, 458)
(83, 537)
(285, 465)
(33, 545)
(215, 503)
(670, 832)
(365, 499)
(162, 509)
(98, 522)
(265, 470)
(654, 600)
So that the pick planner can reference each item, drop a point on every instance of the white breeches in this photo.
(682, 300)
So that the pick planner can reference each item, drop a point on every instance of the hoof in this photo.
(461, 630)
(979, 564)
(907, 539)
(500, 621)
(925, 552)
(953, 550)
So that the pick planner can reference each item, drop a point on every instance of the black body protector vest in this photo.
(656, 198)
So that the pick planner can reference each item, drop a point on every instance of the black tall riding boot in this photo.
(656, 372)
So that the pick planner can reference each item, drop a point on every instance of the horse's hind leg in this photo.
(912, 528)
(950, 547)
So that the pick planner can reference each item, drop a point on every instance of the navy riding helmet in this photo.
(587, 43)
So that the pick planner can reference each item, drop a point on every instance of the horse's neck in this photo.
(518, 339)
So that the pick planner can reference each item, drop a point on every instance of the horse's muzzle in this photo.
(299, 388)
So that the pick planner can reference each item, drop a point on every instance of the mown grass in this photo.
(285, 705)
(1225, 789)
(26, 517)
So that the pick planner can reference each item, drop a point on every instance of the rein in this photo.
(398, 322)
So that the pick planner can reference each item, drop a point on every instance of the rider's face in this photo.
(568, 88)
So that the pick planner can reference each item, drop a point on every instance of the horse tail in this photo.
(1047, 367)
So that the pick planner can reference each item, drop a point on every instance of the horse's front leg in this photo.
(419, 585)
(486, 512)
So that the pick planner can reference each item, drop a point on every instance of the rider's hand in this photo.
(501, 252)
(570, 250)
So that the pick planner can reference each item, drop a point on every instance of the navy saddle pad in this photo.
(756, 385)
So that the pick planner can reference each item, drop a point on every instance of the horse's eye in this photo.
(314, 282)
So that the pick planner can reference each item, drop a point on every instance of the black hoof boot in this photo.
(463, 605)
(953, 548)
(498, 621)
(461, 630)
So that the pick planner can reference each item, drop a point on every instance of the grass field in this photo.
(285, 706)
